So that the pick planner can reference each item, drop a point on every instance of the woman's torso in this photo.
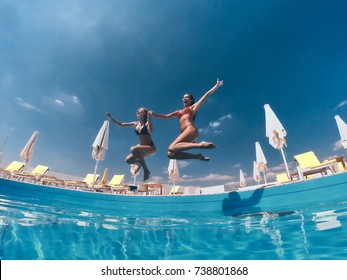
(142, 132)
(186, 116)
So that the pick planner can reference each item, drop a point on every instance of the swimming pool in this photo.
(35, 230)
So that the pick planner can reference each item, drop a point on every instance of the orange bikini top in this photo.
(185, 111)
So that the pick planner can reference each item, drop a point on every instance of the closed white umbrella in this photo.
(342, 126)
(27, 153)
(100, 145)
(134, 170)
(173, 170)
(242, 179)
(276, 133)
(261, 160)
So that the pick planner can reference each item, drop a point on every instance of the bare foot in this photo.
(146, 175)
(207, 145)
(203, 158)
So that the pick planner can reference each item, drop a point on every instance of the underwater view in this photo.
(38, 231)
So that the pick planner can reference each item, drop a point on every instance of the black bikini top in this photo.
(143, 131)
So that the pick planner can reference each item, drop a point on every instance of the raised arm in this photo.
(164, 116)
(197, 104)
(127, 124)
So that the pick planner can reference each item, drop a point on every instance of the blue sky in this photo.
(65, 63)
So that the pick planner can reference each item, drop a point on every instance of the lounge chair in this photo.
(36, 174)
(14, 166)
(85, 184)
(176, 190)
(115, 185)
(282, 178)
(308, 164)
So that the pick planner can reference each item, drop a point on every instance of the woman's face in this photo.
(187, 100)
(141, 112)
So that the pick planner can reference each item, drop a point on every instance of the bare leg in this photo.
(130, 159)
(182, 146)
(140, 152)
(186, 140)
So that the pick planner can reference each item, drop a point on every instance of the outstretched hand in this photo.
(219, 83)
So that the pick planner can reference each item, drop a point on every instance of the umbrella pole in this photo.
(265, 179)
(3, 145)
(96, 167)
(285, 163)
(25, 166)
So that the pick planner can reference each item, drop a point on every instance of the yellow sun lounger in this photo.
(15, 166)
(116, 184)
(88, 181)
(282, 178)
(35, 175)
(176, 190)
(309, 164)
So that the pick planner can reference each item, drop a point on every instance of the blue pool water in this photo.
(32, 231)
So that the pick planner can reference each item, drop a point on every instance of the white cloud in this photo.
(213, 125)
(342, 104)
(75, 100)
(203, 130)
(212, 177)
(9, 128)
(66, 102)
(27, 105)
(187, 177)
(157, 179)
(59, 102)
(217, 131)
(226, 117)
(183, 163)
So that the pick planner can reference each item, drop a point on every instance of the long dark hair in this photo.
(146, 116)
(193, 101)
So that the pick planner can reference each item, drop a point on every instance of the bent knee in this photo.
(171, 155)
(172, 147)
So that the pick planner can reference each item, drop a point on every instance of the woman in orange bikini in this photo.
(189, 133)
(143, 129)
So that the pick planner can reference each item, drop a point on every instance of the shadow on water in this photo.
(235, 205)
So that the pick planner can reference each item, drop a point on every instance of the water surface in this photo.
(31, 230)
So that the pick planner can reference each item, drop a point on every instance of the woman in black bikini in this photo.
(189, 133)
(143, 128)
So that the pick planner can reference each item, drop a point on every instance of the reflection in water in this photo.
(326, 220)
(32, 231)
(274, 233)
(267, 224)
